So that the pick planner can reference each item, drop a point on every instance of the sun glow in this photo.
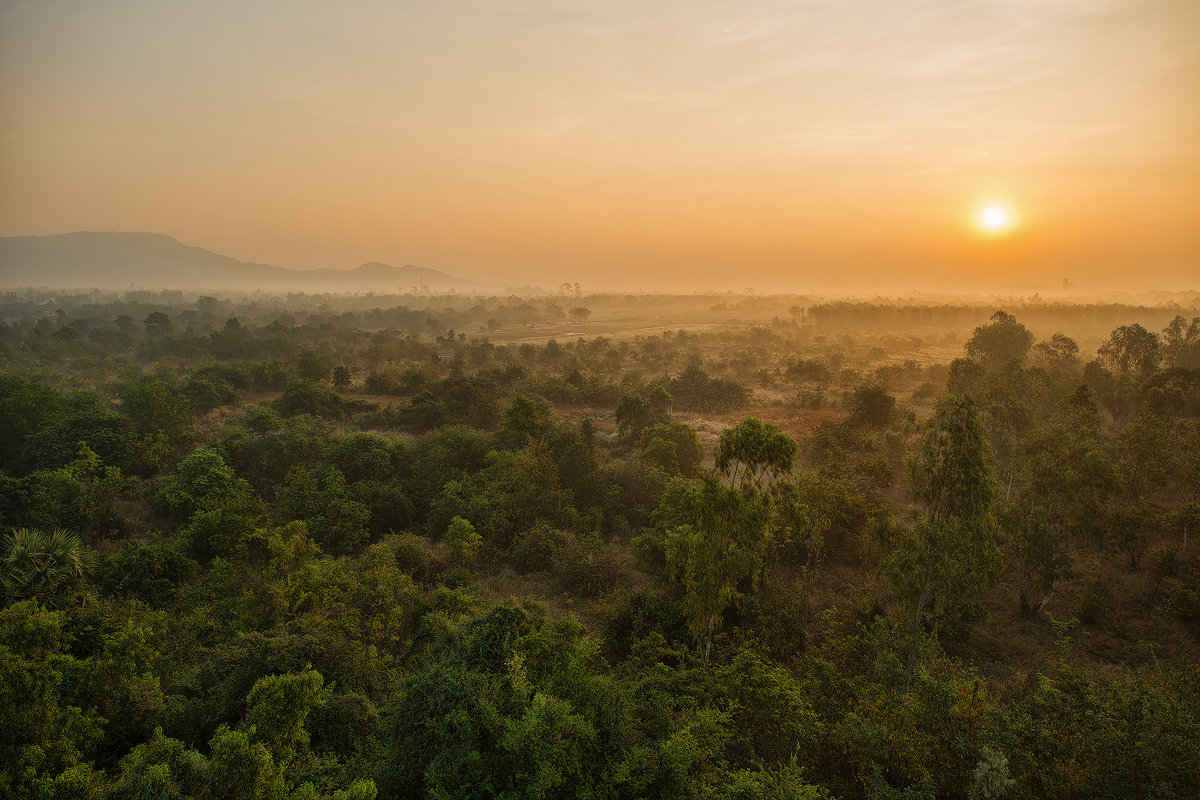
(995, 220)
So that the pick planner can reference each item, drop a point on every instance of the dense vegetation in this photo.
(597, 547)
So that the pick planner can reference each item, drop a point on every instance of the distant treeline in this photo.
(848, 314)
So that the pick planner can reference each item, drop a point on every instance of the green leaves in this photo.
(752, 451)
(47, 567)
(1000, 341)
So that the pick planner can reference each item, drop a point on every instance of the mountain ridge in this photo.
(141, 259)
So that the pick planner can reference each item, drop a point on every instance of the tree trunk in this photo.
(708, 639)
(1045, 599)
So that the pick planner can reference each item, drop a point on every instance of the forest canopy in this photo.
(475, 547)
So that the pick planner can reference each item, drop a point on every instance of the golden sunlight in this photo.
(995, 220)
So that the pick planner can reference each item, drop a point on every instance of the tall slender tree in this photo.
(950, 552)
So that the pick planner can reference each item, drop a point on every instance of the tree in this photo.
(673, 447)
(580, 314)
(950, 552)
(526, 420)
(46, 567)
(1000, 342)
(27, 408)
(872, 406)
(162, 414)
(462, 539)
(1141, 455)
(718, 537)
(341, 376)
(752, 451)
(637, 411)
(157, 324)
(696, 390)
(320, 498)
(724, 546)
(1057, 355)
(799, 526)
(199, 482)
(311, 367)
(1181, 343)
(1130, 353)
(1040, 554)
(277, 707)
(45, 731)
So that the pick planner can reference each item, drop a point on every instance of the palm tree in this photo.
(44, 566)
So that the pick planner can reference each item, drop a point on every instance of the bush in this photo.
(585, 566)
(417, 556)
(535, 549)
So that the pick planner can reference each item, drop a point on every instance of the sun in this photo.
(995, 220)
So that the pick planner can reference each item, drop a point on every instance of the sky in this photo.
(656, 144)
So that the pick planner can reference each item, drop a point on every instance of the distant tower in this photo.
(1066, 283)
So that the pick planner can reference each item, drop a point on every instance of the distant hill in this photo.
(155, 261)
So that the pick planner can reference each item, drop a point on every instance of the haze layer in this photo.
(661, 145)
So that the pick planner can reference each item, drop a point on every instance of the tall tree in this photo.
(723, 548)
(1181, 343)
(1000, 342)
(942, 561)
(1130, 351)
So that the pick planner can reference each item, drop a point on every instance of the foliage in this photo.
(871, 405)
(752, 452)
(1001, 341)
(673, 447)
(696, 390)
(721, 548)
(319, 597)
(941, 562)
(462, 538)
(47, 567)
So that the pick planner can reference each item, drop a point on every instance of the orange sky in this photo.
(708, 143)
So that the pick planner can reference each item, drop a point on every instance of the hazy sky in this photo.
(620, 143)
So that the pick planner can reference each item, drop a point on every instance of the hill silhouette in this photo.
(112, 260)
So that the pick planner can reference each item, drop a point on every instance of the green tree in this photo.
(872, 406)
(1040, 553)
(1000, 342)
(720, 551)
(950, 552)
(158, 324)
(800, 523)
(47, 567)
(26, 408)
(321, 499)
(199, 482)
(163, 416)
(310, 367)
(1181, 343)
(1130, 352)
(277, 707)
(1057, 355)
(45, 734)
(673, 447)
(462, 539)
(753, 451)
(637, 411)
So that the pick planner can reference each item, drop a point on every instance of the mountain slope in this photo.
(155, 261)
